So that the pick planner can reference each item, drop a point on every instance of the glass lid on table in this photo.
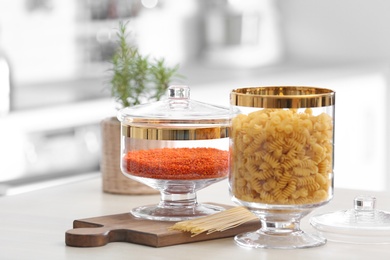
(362, 224)
(177, 146)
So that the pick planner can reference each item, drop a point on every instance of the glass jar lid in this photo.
(282, 97)
(362, 225)
(176, 118)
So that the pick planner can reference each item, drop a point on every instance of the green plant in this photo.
(137, 78)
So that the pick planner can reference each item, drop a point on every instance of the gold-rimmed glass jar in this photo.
(282, 154)
(176, 146)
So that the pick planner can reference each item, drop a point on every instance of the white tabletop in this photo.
(33, 226)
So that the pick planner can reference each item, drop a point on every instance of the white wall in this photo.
(336, 30)
(39, 42)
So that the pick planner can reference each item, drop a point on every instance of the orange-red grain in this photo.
(178, 163)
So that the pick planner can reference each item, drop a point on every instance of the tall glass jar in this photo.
(282, 150)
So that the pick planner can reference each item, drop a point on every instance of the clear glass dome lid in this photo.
(178, 107)
(361, 225)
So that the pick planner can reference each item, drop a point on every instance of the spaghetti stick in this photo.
(220, 221)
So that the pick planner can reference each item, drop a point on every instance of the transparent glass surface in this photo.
(282, 161)
(362, 224)
(178, 169)
(176, 146)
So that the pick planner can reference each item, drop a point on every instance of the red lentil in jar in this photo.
(177, 163)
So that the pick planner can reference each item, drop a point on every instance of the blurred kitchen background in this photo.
(54, 70)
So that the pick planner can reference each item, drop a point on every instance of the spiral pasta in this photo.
(282, 156)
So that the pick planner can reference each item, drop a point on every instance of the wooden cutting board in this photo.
(99, 231)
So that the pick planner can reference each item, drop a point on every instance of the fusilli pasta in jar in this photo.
(282, 146)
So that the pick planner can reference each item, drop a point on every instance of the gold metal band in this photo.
(282, 97)
(175, 134)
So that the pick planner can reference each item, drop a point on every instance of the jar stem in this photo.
(280, 228)
(178, 200)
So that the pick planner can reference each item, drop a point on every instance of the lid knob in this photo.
(179, 92)
(364, 203)
(179, 97)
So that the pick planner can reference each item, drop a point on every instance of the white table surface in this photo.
(33, 226)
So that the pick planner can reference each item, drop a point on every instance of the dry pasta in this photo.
(282, 156)
(217, 222)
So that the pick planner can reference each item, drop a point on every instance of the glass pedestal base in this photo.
(260, 239)
(280, 227)
(178, 200)
(156, 212)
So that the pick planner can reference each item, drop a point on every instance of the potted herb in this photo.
(135, 79)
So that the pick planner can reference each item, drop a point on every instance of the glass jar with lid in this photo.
(177, 146)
